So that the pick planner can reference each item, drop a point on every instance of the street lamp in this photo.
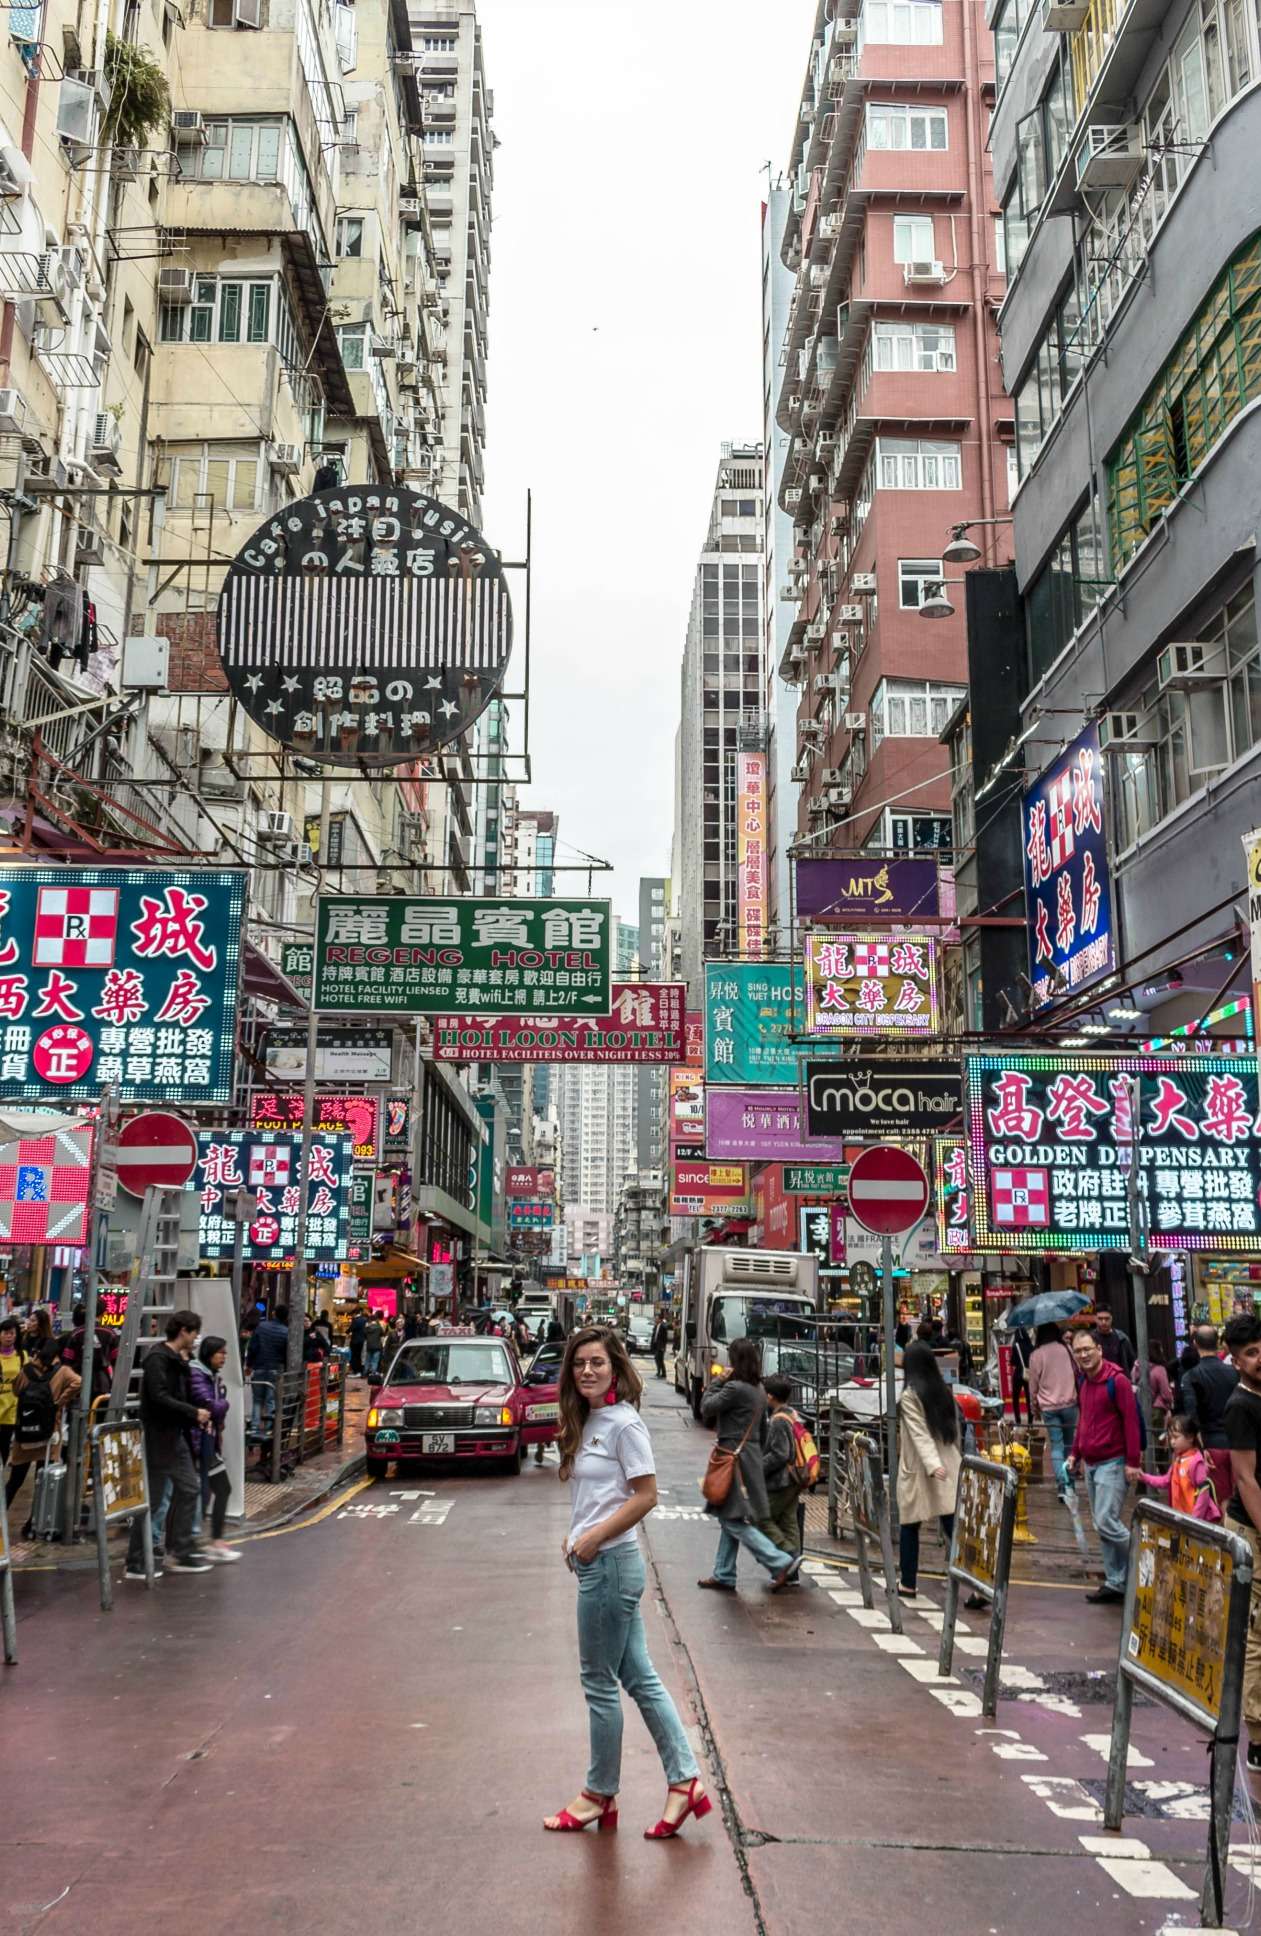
(935, 604)
(961, 550)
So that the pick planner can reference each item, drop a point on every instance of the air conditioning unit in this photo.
(409, 208)
(298, 854)
(1181, 667)
(1064, 16)
(51, 292)
(863, 581)
(275, 826)
(830, 227)
(1123, 733)
(107, 443)
(285, 458)
(1110, 156)
(851, 614)
(845, 31)
(801, 772)
(831, 776)
(189, 127)
(836, 526)
(216, 780)
(175, 286)
(841, 641)
(12, 411)
(816, 631)
(789, 594)
(817, 809)
(919, 272)
(822, 682)
(72, 261)
(124, 164)
(855, 722)
(89, 548)
(15, 173)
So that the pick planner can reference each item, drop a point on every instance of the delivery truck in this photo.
(771, 1296)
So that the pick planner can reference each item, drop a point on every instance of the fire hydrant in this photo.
(1017, 1457)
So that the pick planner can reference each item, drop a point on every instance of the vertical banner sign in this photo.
(296, 958)
(951, 1169)
(386, 954)
(1252, 872)
(1051, 1137)
(752, 1014)
(1068, 885)
(871, 984)
(751, 854)
(126, 977)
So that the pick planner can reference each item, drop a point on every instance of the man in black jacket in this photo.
(167, 1413)
(1204, 1392)
(660, 1343)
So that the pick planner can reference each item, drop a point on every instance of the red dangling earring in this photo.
(610, 1396)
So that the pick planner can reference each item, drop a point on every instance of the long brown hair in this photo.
(573, 1406)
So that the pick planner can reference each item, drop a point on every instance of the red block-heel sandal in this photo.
(607, 1818)
(697, 1805)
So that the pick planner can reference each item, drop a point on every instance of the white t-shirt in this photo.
(615, 1449)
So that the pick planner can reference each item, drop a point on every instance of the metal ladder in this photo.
(151, 1293)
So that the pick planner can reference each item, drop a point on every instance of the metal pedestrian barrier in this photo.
(980, 1558)
(869, 1513)
(1183, 1633)
(8, 1618)
(120, 1490)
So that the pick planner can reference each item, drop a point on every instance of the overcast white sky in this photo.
(625, 345)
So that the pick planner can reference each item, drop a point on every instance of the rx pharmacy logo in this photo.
(1022, 1199)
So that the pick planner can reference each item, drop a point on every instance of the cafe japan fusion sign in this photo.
(365, 625)
(1051, 1138)
(871, 984)
(645, 1025)
(390, 954)
(1068, 887)
(119, 977)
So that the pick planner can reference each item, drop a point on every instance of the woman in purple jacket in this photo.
(207, 1443)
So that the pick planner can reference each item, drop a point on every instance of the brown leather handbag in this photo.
(720, 1471)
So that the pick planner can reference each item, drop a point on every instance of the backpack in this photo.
(37, 1414)
(1142, 1422)
(805, 1463)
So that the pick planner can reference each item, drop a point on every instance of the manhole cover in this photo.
(1163, 1801)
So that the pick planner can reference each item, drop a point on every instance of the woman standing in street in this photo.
(735, 1403)
(12, 1358)
(928, 1457)
(210, 1394)
(606, 1452)
(1053, 1383)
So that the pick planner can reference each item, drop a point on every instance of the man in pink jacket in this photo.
(1108, 1446)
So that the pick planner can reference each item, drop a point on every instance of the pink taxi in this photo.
(460, 1396)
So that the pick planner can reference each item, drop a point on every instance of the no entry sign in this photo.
(156, 1149)
(888, 1191)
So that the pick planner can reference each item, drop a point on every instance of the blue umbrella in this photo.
(1048, 1307)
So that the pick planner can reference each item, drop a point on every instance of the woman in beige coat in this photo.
(928, 1457)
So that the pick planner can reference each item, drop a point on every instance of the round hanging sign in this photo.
(365, 624)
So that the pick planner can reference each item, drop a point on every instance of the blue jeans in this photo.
(1106, 1486)
(262, 1400)
(741, 1532)
(372, 1365)
(160, 1511)
(1061, 1429)
(612, 1649)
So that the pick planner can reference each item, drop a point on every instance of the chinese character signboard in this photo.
(816, 1179)
(1068, 889)
(857, 888)
(1181, 1612)
(390, 955)
(45, 1186)
(700, 1189)
(951, 1178)
(1252, 875)
(759, 1126)
(752, 1014)
(529, 1182)
(694, 1039)
(365, 625)
(816, 1236)
(354, 1116)
(269, 1167)
(871, 984)
(126, 977)
(296, 959)
(525, 1213)
(645, 1025)
(750, 853)
(1051, 1138)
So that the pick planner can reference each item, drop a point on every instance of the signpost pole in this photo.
(890, 1324)
(1138, 1267)
(243, 1207)
(8, 1618)
(298, 1299)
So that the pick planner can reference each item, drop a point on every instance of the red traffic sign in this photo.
(888, 1191)
(155, 1149)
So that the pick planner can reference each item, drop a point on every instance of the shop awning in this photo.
(399, 1263)
(263, 980)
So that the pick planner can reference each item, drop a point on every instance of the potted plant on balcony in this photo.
(140, 99)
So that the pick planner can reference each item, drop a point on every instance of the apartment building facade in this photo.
(720, 712)
(1125, 149)
(779, 587)
(892, 404)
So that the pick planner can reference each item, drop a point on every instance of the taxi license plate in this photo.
(542, 1411)
(437, 1441)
